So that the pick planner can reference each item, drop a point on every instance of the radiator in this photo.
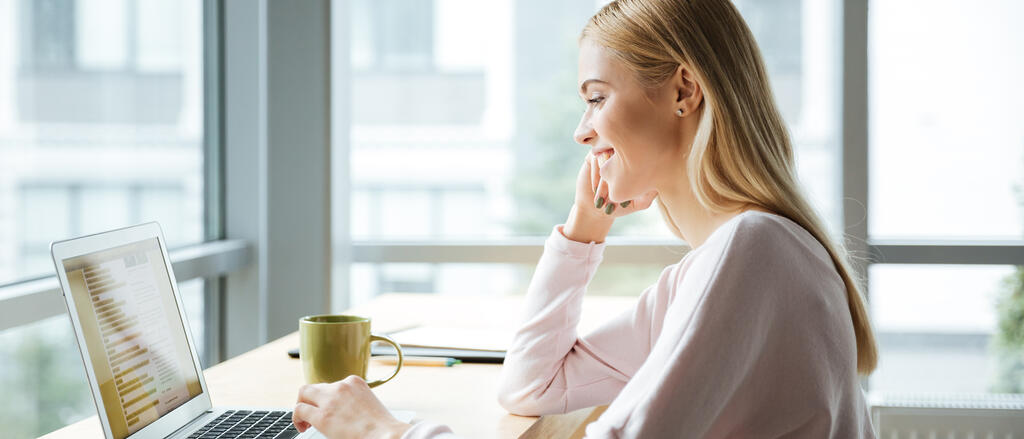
(948, 416)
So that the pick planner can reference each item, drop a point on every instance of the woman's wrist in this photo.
(587, 227)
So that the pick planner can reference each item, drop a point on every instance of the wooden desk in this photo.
(463, 396)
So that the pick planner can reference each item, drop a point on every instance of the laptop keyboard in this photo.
(245, 424)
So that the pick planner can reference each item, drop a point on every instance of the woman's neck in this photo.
(695, 222)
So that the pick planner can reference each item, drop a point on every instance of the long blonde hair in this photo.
(741, 154)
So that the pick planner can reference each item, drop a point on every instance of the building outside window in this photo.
(101, 127)
(473, 141)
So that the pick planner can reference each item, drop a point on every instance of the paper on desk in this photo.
(452, 338)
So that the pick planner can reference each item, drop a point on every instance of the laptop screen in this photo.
(134, 333)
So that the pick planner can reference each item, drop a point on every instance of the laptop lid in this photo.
(131, 329)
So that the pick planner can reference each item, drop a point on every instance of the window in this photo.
(946, 162)
(935, 326)
(101, 127)
(100, 124)
(461, 126)
(947, 145)
(474, 145)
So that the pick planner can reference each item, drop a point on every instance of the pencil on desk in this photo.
(419, 361)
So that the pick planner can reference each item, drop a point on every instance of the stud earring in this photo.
(679, 112)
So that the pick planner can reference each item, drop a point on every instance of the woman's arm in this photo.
(549, 368)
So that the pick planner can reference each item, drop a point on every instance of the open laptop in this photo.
(138, 351)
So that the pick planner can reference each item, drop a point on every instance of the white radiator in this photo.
(948, 416)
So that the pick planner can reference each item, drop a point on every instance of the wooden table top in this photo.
(266, 376)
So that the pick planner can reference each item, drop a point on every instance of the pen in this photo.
(419, 361)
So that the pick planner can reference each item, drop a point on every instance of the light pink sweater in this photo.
(748, 336)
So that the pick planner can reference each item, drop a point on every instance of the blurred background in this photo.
(459, 131)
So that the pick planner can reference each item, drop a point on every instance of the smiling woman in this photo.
(486, 95)
(760, 330)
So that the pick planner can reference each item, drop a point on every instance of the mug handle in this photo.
(398, 349)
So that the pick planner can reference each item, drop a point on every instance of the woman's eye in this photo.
(595, 100)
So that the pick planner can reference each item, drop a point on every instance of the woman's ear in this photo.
(688, 91)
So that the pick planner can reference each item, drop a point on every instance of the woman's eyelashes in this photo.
(595, 100)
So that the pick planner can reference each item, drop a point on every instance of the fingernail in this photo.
(609, 208)
(625, 204)
(599, 202)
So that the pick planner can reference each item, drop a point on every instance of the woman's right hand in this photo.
(592, 214)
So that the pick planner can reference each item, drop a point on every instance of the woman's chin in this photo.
(619, 193)
(618, 197)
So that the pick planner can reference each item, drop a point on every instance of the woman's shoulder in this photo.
(766, 237)
(764, 249)
(754, 248)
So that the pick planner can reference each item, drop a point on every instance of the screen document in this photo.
(134, 333)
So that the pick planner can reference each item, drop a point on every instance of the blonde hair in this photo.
(741, 154)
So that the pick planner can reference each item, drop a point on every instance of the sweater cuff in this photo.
(425, 430)
(557, 242)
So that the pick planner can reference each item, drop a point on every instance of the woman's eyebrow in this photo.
(585, 84)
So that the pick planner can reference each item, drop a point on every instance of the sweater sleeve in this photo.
(429, 430)
(549, 368)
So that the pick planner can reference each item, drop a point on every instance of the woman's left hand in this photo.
(345, 409)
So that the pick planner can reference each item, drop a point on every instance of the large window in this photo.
(462, 120)
(101, 127)
(946, 163)
(461, 133)
(101, 123)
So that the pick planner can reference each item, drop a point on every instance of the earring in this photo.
(679, 112)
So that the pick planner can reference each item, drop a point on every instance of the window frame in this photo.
(239, 40)
(37, 298)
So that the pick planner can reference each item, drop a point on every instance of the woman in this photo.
(760, 330)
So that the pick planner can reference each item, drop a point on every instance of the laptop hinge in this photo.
(189, 424)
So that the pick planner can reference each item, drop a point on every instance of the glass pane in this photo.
(947, 145)
(941, 328)
(100, 123)
(43, 377)
(370, 280)
(192, 294)
(463, 112)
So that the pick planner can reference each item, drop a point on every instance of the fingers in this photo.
(628, 206)
(305, 415)
(355, 380)
(314, 394)
(601, 200)
(599, 189)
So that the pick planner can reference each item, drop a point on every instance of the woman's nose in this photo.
(584, 134)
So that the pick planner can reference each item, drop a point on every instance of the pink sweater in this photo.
(749, 335)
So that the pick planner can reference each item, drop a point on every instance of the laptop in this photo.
(139, 356)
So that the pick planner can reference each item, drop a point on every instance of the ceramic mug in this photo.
(332, 347)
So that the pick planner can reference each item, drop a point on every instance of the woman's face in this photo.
(639, 125)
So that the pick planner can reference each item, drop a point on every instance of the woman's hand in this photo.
(345, 409)
(592, 213)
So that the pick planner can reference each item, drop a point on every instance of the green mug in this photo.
(332, 347)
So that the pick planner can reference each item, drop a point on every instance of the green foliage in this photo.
(44, 385)
(548, 159)
(1008, 344)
